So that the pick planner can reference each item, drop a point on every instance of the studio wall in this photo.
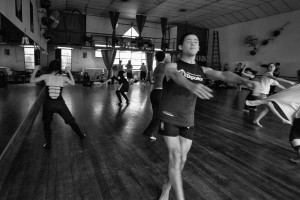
(15, 60)
(284, 48)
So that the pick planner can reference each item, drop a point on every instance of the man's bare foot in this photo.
(286, 122)
(257, 123)
(295, 160)
(165, 192)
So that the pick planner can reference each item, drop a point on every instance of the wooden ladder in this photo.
(215, 59)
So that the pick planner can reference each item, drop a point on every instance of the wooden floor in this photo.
(15, 102)
(231, 158)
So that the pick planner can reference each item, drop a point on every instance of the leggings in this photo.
(155, 122)
(118, 92)
(58, 106)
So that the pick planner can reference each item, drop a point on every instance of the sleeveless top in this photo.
(177, 104)
(158, 75)
(266, 82)
(54, 86)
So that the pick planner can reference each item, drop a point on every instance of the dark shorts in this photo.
(295, 134)
(171, 130)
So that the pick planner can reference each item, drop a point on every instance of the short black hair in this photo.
(180, 42)
(121, 73)
(160, 56)
(54, 66)
(277, 64)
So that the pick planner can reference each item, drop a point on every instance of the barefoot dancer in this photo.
(266, 81)
(288, 102)
(54, 102)
(183, 84)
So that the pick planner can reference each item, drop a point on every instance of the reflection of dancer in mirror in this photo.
(266, 81)
(124, 87)
(54, 102)
(155, 95)
(182, 85)
(287, 108)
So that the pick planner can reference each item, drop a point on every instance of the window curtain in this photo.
(149, 60)
(108, 59)
(140, 22)
(163, 22)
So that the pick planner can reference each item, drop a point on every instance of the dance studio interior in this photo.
(89, 140)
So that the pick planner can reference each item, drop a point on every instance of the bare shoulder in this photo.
(44, 76)
(65, 78)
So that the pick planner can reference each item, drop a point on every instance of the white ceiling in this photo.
(199, 13)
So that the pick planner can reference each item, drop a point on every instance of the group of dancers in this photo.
(173, 98)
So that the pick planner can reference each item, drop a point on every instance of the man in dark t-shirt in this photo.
(182, 85)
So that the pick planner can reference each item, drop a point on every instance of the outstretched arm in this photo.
(71, 79)
(280, 86)
(120, 86)
(34, 79)
(273, 109)
(245, 74)
(200, 90)
(230, 77)
(281, 79)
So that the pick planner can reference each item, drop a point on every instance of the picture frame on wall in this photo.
(18, 6)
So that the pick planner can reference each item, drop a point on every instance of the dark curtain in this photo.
(140, 22)
(58, 55)
(163, 22)
(37, 57)
(70, 30)
(108, 59)
(114, 17)
(149, 60)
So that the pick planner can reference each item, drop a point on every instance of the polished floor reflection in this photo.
(230, 158)
(15, 103)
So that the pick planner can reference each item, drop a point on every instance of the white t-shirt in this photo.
(266, 82)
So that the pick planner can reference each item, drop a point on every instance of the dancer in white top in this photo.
(266, 81)
(288, 101)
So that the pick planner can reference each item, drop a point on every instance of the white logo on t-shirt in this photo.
(191, 76)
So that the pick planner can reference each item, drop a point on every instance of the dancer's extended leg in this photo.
(272, 108)
(260, 116)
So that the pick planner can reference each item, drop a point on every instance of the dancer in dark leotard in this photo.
(54, 102)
